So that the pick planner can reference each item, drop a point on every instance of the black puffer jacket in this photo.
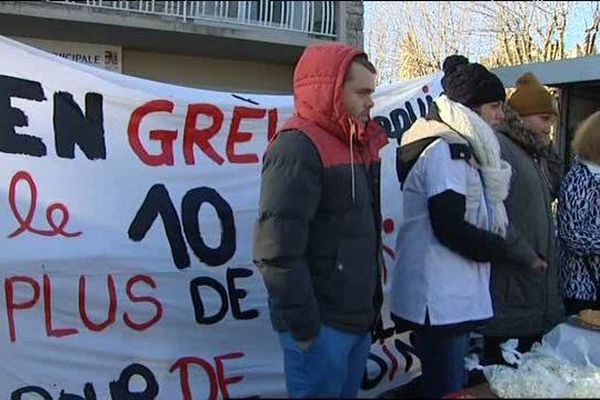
(317, 241)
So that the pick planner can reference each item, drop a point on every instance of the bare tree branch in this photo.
(411, 39)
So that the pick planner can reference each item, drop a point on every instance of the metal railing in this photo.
(312, 17)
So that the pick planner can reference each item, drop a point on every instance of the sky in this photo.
(577, 21)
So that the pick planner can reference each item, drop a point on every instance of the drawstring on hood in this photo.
(352, 133)
(318, 85)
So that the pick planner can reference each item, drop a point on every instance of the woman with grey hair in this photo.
(579, 221)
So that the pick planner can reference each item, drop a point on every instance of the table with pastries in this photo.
(572, 351)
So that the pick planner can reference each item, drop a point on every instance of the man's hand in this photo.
(306, 344)
(539, 265)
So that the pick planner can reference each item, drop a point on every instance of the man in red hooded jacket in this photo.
(317, 240)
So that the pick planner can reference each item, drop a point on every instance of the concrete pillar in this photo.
(353, 23)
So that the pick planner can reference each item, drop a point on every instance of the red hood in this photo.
(318, 82)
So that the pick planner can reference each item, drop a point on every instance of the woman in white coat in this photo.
(454, 184)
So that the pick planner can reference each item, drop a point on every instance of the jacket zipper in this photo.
(374, 184)
(546, 181)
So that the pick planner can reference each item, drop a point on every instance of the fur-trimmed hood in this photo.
(551, 164)
(514, 127)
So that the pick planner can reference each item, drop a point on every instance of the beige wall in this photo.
(209, 73)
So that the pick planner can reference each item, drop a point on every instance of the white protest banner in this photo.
(126, 216)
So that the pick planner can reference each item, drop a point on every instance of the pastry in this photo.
(591, 317)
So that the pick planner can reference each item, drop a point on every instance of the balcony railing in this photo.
(311, 17)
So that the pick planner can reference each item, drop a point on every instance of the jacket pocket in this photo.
(355, 273)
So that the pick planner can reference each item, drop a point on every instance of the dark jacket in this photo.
(317, 240)
(526, 302)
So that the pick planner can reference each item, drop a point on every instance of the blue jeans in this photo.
(333, 365)
(442, 361)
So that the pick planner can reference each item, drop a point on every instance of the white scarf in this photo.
(495, 171)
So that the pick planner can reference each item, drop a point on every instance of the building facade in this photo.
(246, 46)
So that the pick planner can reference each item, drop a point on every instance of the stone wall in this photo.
(354, 23)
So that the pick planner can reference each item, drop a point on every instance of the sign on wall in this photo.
(96, 55)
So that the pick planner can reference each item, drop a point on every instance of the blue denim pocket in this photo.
(290, 344)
